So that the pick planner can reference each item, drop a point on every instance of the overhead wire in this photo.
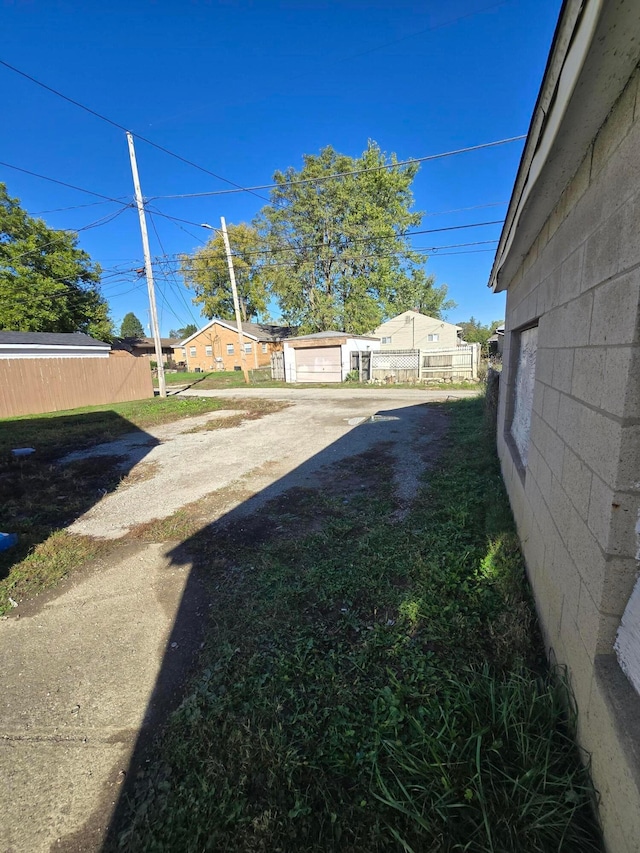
(125, 129)
(171, 272)
(320, 178)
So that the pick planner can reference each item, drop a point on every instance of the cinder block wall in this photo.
(576, 501)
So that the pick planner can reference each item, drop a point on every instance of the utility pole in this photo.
(147, 267)
(236, 304)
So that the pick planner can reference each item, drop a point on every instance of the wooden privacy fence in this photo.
(412, 365)
(29, 386)
(277, 366)
(455, 363)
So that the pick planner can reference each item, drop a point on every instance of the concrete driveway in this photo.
(81, 665)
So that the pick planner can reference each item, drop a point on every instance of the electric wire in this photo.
(126, 130)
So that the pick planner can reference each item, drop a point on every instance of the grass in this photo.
(369, 685)
(40, 497)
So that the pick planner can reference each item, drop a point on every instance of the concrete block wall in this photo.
(577, 500)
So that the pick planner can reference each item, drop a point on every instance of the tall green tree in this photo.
(47, 284)
(131, 327)
(473, 332)
(338, 256)
(184, 332)
(206, 273)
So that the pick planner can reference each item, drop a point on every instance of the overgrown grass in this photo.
(370, 686)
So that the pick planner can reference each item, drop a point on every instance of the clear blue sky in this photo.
(244, 88)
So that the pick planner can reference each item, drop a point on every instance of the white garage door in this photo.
(318, 364)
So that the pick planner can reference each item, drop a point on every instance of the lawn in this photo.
(262, 378)
(369, 684)
(40, 498)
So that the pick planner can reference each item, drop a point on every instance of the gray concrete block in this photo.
(600, 508)
(544, 361)
(615, 128)
(587, 555)
(621, 386)
(563, 361)
(620, 576)
(588, 382)
(598, 443)
(630, 233)
(602, 254)
(615, 311)
(571, 277)
(551, 405)
(576, 481)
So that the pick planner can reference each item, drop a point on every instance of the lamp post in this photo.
(234, 292)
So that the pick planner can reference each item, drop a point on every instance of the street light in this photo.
(234, 292)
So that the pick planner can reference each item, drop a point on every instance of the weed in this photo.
(369, 685)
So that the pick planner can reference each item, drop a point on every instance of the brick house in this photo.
(569, 411)
(215, 346)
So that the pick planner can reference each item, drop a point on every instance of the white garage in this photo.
(324, 356)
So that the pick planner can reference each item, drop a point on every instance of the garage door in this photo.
(318, 364)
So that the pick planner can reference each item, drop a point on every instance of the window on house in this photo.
(247, 347)
(265, 348)
(386, 340)
(192, 352)
(433, 338)
(229, 349)
(208, 350)
(526, 347)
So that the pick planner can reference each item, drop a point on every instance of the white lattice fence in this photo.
(401, 365)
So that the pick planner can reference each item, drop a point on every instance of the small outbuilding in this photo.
(324, 356)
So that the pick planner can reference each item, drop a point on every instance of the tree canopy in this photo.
(333, 252)
(184, 332)
(131, 327)
(338, 256)
(47, 284)
(473, 332)
(206, 272)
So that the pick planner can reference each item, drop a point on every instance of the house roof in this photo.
(434, 320)
(262, 332)
(149, 342)
(50, 339)
(594, 52)
(318, 336)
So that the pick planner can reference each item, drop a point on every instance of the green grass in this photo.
(40, 498)
(369, 685)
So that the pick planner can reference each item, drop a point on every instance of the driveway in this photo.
(80, 666)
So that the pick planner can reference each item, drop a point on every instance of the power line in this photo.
(172, 273)
(125, 129)
(320, 178)
(71, 207)
(104, 220)
(63, 183)
(369, 239)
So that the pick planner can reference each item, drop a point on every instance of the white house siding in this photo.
(411, 330)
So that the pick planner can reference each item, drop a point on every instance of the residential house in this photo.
(569, 410)
(324, 356)
(146, 348)
(412, 330)
(216, 347)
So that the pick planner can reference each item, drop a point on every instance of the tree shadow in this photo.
(337, 488)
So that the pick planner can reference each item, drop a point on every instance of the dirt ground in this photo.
(81, 664)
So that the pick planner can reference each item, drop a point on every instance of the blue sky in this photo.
(244, 88)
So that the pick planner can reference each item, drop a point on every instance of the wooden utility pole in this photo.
(236, 304)
(147, 267)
